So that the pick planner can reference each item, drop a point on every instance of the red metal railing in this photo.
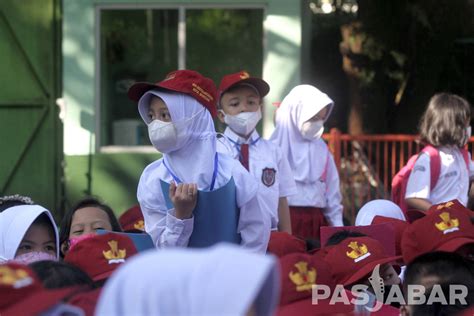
(367, 163)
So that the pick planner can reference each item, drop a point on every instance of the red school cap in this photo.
(21, 292)
(399, 227)
(132, 220)
(413, 214)
(282, 243)
(100, 255)
(243, 77)
(188, 82)
(356, 257)
(86, 300)
(299, 274)
(445, 228)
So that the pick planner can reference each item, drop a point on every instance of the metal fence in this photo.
(367, 163)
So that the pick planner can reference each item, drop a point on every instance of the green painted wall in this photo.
(282, 59)
(30, 128)
(114, 178)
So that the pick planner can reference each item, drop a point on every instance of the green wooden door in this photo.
(30, 129)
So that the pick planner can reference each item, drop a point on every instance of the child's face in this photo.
(158, 110)
(238, 100)
(388, 274)
(38, 238)
(321, 115)
(87, 220)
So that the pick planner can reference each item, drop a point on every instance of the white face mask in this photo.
(243, 123)
(163, 135)
(167, 137)
(312, 129)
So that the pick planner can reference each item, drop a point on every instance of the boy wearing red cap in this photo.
(193, 196)
(240, 108)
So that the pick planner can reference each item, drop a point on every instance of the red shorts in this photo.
(306, 221)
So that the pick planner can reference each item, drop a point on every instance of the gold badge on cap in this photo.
(244, 75)
(448, 204)
(115, 255)
(140, 225)
(359, 252)
(448, 224)
(17, 278)
(303, 279)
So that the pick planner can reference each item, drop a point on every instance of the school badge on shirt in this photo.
(268, 176)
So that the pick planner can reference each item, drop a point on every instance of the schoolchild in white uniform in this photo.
(299, 126)
(240, 107)
(445, 126)
(28, 234)
(193, 196)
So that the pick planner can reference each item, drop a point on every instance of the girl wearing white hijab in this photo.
(193, 196)
(299, 127)
(373, 208)
(28, 233)
(221, 280)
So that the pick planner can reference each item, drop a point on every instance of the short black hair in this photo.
(56, 274)
(439, 309)
(86, 202)
(341, 235)
(446, 267)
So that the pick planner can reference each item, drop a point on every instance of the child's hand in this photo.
(184, 198)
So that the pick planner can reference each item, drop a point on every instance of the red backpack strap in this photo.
(435, 164)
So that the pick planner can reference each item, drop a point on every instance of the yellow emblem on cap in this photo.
(115, 255)
(359, 252)
(244, 75)
(448, 224)
(140, 225)
(303, 279)
(448, 204)
(170, 76)
(17, 278)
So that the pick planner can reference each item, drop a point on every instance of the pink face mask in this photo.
(33, 256)
(73, 241)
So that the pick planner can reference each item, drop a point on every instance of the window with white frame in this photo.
(144, 44)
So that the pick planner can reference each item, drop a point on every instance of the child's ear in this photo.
(220, 115)
(64, 247)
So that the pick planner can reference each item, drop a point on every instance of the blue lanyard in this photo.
(237, 145)
(214, 174)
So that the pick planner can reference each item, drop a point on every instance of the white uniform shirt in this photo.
(167, 231)
(453, 181)
(318, 193)
(268, 166)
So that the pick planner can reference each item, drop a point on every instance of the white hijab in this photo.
(300, 105)
(220, 280)
(14, 223)
(198, 148)
(373, 208)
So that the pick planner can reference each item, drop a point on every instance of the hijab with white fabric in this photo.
(220, 280)
(196, 144)
(380, 207)
(14, 223)
(300, 105)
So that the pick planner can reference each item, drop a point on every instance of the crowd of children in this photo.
(242, 225)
